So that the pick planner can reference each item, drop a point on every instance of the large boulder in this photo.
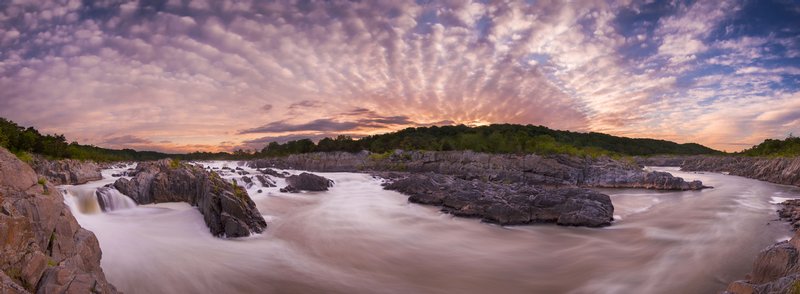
(776, 269)
(43, 249)
(307, 182)
(505, 204)
(67, 171)
(226, 207)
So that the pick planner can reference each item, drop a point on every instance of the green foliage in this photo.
(24, 156)
(51, 263)
(500, 138)
(174, 163)
(239, 191)
(776, 148)
(380, 156)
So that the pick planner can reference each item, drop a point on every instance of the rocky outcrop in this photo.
(226, 207)
(551, 170)
(779, 170)
(306, 182)
(67, 171)
(43, 249)
(790, 212)
(776, 269)
(505, 204)
(664, 160)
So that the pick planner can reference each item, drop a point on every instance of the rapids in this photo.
(359, 238)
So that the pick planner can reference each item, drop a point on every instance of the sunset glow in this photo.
(181, 76)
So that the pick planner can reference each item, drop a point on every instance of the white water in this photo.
(359, 238)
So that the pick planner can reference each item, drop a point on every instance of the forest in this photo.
(776, 148)
(498, 138)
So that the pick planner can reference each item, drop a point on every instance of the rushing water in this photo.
(359, 238)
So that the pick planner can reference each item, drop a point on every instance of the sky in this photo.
(186, 75)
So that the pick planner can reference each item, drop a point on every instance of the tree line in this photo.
(497, 138)
(773, 147)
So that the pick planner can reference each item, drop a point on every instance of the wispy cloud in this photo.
(201, 73)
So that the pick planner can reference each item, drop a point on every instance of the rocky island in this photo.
(226, 207)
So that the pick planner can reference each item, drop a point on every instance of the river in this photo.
(359, 238)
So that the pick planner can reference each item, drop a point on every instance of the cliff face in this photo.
(67, 171)
(227, 209)
(556, 170)
(43, 249)
(781, 170)
(776, 269)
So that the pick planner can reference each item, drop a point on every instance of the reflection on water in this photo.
(358, 238)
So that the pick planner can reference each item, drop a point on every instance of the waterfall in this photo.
(109, 199)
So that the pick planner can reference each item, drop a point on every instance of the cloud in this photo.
(126, 140)
(189, 72)
(325, 125)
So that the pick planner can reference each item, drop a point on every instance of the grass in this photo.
(24, 156)
(380, 156)
(174, 163)
(238, 191)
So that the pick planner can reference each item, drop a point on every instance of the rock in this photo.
(779, 170)
(67, 171)
(505, 204)
(226, 207)
(307, 182)
(776, 269)
(790, 212)
(41, 239)
(265, 181)
(248, 182)
(272, 172)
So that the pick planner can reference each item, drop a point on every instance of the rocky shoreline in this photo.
(532, 169)
(779, 170)
(776, 269)
(44, 249)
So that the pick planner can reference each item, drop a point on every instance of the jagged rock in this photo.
(67, 171)
(248, 182)
(506, 204)
(265, 181)
(274, 173)
(307, 182)
(780, 170)
(44, 249)
(790, 212)
(532, 169)
(775, 270)
(227, 208)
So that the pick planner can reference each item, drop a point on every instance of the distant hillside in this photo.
(773, 147)
(27, 141)
(499, 138)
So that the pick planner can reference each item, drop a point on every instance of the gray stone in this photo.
(226, 207)
(505, 204)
